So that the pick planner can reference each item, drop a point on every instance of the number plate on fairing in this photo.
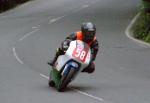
(80, 51)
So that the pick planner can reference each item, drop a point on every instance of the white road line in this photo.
(85, 6)
(16, 56)
(35, 27)
(81, 92)
(89, 95)
(55, 19)
(32, 32)
(44, 76)
(81, 8)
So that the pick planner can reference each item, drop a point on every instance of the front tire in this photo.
(65, 80)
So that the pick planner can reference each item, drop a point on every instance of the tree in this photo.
(146, 5)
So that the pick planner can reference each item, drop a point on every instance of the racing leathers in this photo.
(78, 36)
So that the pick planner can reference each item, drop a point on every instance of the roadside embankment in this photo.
(139, 28)
(8, 4)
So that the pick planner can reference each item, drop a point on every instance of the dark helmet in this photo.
(89, 30)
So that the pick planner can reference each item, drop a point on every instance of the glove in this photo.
(66, 44)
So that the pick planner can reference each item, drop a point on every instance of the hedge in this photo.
(142, 27)
(8, 4)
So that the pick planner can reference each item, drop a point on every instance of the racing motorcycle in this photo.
(68, 66)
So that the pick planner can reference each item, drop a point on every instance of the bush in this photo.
(142, 27)
(146, 5)
(7, 4)
(147, 39)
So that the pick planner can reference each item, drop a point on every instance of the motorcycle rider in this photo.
(87, 35)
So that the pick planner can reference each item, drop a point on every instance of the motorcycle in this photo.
(68, 66)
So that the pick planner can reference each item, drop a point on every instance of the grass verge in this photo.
(141, 29)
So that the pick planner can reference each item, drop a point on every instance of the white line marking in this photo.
(32, 32)
(44, 76)
(85, 6)
(55, 19)
(16, 56)
(81, 8)
(129, 32)
(78, 91)
(89, 95)
(35, 27)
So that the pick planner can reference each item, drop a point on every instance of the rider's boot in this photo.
(89, 69)
(58, 53)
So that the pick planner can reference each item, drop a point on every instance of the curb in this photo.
(129, 32)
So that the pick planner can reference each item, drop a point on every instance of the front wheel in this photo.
(66, 79)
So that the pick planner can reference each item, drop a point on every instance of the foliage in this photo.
(7, 4)
(141, 29)
(142, 26)
(147, 39)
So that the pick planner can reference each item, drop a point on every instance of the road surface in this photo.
(29, 35)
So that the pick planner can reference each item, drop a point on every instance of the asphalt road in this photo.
(29, 35)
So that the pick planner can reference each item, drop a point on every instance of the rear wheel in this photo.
(65, 80)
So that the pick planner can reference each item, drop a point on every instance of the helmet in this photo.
(89, 30)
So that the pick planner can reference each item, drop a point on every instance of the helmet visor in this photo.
(89, 35)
